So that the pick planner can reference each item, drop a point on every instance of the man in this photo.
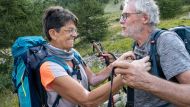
(138, 21)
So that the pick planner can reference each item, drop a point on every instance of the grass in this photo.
(8, 99)
(174, 22)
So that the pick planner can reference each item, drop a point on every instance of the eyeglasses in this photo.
(124, 16)
(71, 31)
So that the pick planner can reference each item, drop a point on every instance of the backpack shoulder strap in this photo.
(154, 65)
(59, 61)
(79, 58)
(153, 53)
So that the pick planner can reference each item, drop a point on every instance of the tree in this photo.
(186, 1)
(18, 18)
(169, 8)
(92, 24)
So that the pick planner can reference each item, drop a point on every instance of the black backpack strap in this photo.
(130, 91)
(76, 69)
(164, 105)
(130, 97)
(56, 102)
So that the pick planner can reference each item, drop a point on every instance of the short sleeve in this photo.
(174, 58)
(49, 71)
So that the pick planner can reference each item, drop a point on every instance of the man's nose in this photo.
(121, 21)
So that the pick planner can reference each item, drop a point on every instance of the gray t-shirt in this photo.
(174, 59)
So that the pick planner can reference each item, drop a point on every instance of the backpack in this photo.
(29, 52)
(184, 33)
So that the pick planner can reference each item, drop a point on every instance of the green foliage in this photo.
(97, 66)
(103, 1)
(66, 3)
(173, 22)
(5, 81)
(169, 8)
(116, 1)
(19, 17)
(118, 45)
(8, 99)
(5, 70)
(92, 25)
(186, 2)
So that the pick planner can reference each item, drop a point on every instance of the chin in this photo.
(124, 34)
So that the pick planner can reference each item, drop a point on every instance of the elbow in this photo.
(184, 104)
(93, 81)
(96, 80)
(87, 103)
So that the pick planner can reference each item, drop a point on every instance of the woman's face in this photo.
(64, 39)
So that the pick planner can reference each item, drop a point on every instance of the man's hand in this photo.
(134, 73)
(127, 56)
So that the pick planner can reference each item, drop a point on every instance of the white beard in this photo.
(132, 31)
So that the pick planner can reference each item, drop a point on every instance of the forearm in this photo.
(101, 76)
(177, 94)
(77, 94)
(101, 94)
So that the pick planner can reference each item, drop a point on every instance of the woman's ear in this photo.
(53, 34)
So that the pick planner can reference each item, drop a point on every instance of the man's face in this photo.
(130, 21)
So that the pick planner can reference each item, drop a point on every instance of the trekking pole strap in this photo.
(111, 102)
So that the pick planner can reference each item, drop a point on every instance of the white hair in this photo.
(148, 7)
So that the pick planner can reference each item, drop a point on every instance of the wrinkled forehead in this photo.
(129, 7)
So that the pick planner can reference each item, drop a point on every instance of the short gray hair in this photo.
(148, 7)
(55, 17)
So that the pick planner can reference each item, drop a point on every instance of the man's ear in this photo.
(53, 34)
(145, 18)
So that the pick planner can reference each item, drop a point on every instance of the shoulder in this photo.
(169, 39)
(52, 67)
(49, 71)
(169, 36)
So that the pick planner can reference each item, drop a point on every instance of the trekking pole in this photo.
(99, 50)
